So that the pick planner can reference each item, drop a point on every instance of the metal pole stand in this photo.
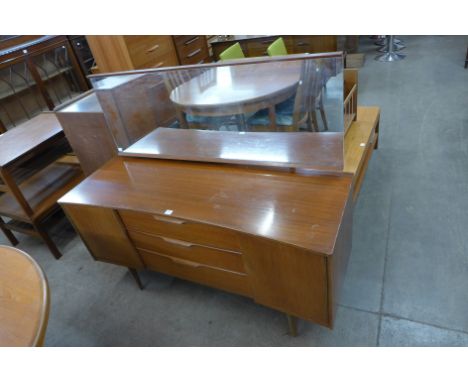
(397, 45)
(391, 55)
(382, 41)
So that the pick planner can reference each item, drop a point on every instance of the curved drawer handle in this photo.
(191, 40)
(302, 43)
(158, 64)
(177, 242)
(168, 220)
(185, 262)
(194, 53)
(152, 49)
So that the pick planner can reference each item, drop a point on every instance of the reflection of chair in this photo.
(206, 79)
(277, 48)
(175, 78)
(231, 53)
(298, 111)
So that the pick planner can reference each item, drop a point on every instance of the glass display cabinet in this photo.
(279, 111)
(37, 73)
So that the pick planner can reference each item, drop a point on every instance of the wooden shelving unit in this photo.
(35, 172)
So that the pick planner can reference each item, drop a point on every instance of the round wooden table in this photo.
(24, 299)
(237, 89)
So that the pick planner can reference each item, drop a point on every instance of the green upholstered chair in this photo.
(277, 48)
(231, 53)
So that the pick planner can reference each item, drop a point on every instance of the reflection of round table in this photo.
(24, 299)
(238, 89)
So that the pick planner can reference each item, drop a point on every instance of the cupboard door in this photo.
(59, 72)
(292, 280)
(103, 234)
(20, 96)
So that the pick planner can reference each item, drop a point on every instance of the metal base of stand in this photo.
(396, 47)
(390, 57)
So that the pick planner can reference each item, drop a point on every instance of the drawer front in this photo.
(167, 59)
(193, 51)
(314, 44)
(231, 261)
(258, 48)
(228, 281)
(181, 40)
(145, 49)
(175, 228)
(198, 56)
(302, 44)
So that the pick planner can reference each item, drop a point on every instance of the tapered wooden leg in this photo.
(181, 117)
(47, 240)
(8, 233)
(322, 114)
(376, 145)
(292, 323)
(313, 117)
(134, 273)
(272, 116)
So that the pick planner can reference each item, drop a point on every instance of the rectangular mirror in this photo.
(281, 111)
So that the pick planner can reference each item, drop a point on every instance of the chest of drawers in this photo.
(118, 53)
(191, 50)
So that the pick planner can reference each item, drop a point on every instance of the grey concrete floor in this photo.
(407, 280)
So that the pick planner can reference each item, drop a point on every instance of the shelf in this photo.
(42, 190)
(19, 226)
(46, 157)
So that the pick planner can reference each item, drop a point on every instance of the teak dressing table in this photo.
(269, 233)
(264, 215)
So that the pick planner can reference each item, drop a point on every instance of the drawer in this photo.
(302, 44)
(175, 228)
(168, 59)
(258, 48)
(188, 49)
(186, 39)
(314, 44)
(197, 56)
(231, 261)
(143, 49)
(228, 281)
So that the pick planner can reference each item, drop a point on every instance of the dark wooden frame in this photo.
(27, 50)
